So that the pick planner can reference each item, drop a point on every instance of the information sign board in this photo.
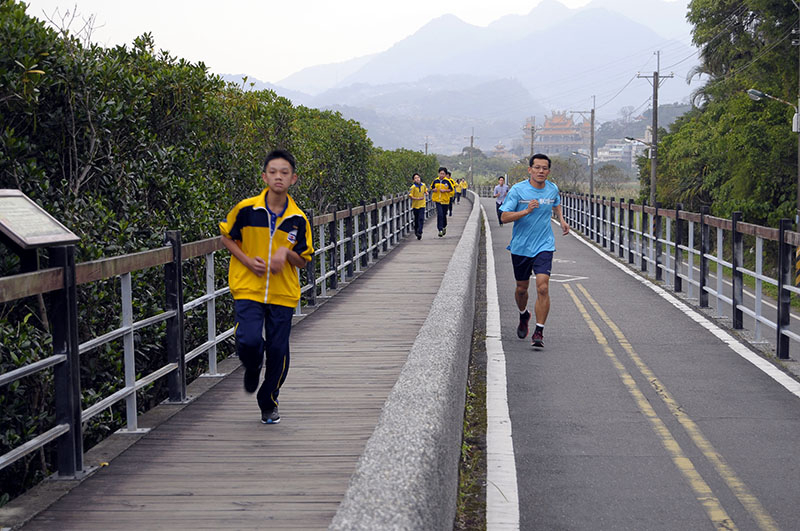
(29, 225)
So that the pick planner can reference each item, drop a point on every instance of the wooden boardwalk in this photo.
(214, 465)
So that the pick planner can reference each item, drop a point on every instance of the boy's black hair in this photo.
(501, 177)
(280, 154)
(416, 175)
(448, 173)
(541, 156)
(442, 168)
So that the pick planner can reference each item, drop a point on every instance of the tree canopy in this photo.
(731, 153)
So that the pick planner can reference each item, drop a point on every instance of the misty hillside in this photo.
(451, 76)
(537, 59)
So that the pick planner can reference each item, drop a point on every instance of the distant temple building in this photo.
(560, 134)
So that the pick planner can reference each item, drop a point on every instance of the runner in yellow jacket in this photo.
(417, 194)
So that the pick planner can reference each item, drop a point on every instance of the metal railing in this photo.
(676, 247)
(346, 242)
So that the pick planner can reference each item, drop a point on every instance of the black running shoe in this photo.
(522, 329)
(251, 377)
(538, 339)
(419, 235)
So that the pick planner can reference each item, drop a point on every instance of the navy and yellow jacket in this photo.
(261, 232)
(453, 188)
(441, 190)
(417, 195)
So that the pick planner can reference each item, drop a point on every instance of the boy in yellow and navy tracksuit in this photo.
(452, 192)
(269, 238)
(458, 190)
(417, 194)
(441, 188)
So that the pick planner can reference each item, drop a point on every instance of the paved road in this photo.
(635, 416)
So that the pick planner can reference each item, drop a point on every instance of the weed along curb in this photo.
(407, 477)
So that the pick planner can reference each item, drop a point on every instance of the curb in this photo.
(407, 477)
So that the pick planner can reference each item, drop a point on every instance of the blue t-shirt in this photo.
(532, 234)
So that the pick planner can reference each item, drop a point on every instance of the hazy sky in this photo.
(271, 39)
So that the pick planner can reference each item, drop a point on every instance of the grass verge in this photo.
(471, 509)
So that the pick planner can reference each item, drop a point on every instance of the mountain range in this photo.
(450, 76)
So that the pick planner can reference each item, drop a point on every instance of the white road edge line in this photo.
(793, 386)
(502, 498)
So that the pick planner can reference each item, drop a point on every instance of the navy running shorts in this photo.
(541, 264)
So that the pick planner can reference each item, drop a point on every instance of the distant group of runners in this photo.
(269, 238)
(444, 191)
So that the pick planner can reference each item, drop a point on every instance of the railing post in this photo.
(390, 221)
(602, 226)
(704, 242)
(129, 353)
(784, 297)
(657, 243)
(341, 268)
(737, 259)
(376, 233)
(333, 238)
(643, 222)
(350, 244)
(631, 259)
(311, 266)
(406, 216)
(362, 228)
(587, 217)
(677, 282)
(211, 315)
(176, 353)
(611, 225)
(385, 226)
(621, 231)
(66, 375)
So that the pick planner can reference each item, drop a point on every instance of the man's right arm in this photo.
(508, 217)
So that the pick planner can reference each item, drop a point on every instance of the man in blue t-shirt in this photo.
(500, 193)
(530, 205)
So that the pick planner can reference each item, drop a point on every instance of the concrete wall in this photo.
(407, 477)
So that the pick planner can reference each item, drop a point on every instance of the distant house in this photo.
(560, 134)
(620, 150)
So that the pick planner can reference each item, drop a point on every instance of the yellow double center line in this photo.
(703, 492)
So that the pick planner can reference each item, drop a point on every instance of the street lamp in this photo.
(757, 95)
(651, 154)
(588, 162)
(642, 142)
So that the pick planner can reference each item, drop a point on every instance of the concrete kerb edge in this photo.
(407, 477)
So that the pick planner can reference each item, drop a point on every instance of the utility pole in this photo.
(426, 145)
(591, 143)
(471, 181)
(654, 143)
(591, 157)
(533, 134)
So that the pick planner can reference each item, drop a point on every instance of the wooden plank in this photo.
(29, 284)
(111, 267)
(720, 223)
(201, 247)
